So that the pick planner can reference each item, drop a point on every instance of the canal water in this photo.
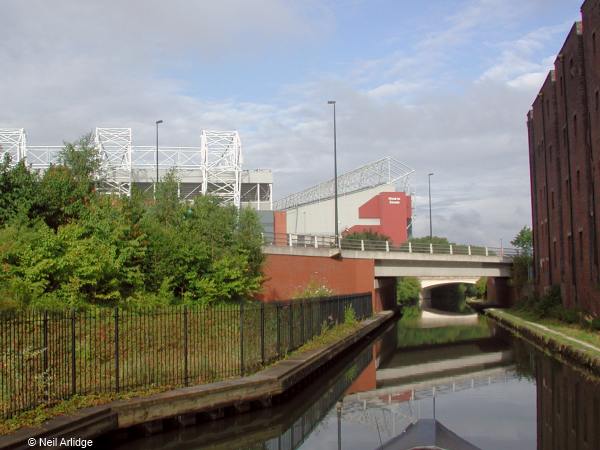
(417, 384)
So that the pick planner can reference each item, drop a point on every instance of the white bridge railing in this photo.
(320, 241)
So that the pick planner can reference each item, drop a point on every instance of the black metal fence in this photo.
(49, 356)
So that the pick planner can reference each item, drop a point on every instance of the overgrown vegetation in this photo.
(371, 240)
(407, 291)
(62, 244)
(313, 290)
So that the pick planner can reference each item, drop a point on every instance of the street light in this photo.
(335, 190)
(430, 226)
(156, 182)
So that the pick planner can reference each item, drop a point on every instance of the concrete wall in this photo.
(564, 150)
(499, 291)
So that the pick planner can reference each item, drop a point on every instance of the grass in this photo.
(332, 333)
(41, 414)
(554, 342)
(573, 330)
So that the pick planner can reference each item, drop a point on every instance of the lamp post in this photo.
(156, 182)
(335, 190)
(430, 225)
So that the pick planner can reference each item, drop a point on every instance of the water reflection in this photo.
(459, 387)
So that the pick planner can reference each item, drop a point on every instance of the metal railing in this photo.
(49, 356)
(324, 241)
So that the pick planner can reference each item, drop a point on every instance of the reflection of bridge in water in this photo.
(392, 409)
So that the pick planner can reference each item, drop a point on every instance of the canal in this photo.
(464, 386)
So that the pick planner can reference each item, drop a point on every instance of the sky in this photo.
(443, 86)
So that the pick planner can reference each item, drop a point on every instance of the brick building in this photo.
(564, 155)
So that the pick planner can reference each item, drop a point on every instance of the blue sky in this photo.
(443, 86)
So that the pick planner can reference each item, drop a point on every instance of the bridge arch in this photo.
(430, 283)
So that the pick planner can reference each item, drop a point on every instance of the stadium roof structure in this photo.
(384, 171)
(217, 161)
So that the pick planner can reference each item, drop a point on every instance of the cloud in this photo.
(70, 66)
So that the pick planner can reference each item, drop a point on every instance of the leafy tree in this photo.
(522, 263)
(435, 240)
(19, 188)
(481, 287)
(62, 244)
(524, 241)
(82, 159)
(372, 240)
(408, 290)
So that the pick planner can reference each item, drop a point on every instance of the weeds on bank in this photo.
(331, 332)
(42, 413)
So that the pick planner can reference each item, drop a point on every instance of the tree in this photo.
(522, 263)
(371, 239)
(524, 241)
(82, 159)
(407, 291)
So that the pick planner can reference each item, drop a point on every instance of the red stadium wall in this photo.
(393, 209)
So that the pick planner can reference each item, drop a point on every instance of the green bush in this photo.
(595, 324)
(350, 315)
(62, 244)
(481, 287)
(407, 291)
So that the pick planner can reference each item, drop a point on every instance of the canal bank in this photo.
(559, 345)
(183, 405)
(349, 406)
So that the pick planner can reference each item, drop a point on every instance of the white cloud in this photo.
(70, 66)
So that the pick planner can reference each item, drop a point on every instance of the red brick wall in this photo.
(564, 148)
(286, 275)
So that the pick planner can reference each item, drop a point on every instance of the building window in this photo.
(561, 86)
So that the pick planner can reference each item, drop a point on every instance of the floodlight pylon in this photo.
(13, 141)
(222, 165)
(114, 148)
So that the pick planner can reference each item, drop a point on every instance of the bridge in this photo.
(297, 261)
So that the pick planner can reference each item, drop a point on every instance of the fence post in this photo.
(46, 378)
(185, 346)
(117, 348)
(73, 368)
(291, 343)
(302, 322)
(431, 248)
(487, 252)
(242, 339)
(278, 331)
(469, 247)
(362, 245)
(262, 332)
(290, 240)
(409, 247)
(316, 242)
(451, 249)
(387, 246)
